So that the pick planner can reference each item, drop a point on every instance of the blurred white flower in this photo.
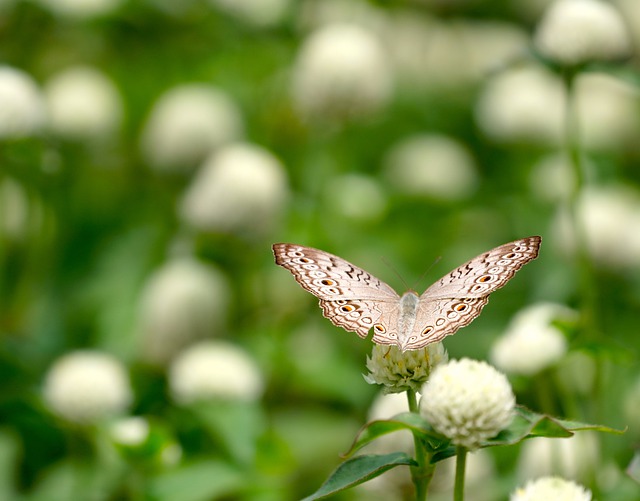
(341, 71)
(83, 103)
(256, 12)
(631, 15)
(609, 217)
(241, 187)
(607, 111)
(80, 9)
(214, 369)
(576, 457)
(87, 386)
(356, 196)
(578, 31)
(130, 431)
(314, 14)
(183, 301)
(531, 343)
(186, 124)
(399, 370)
(524, 104)
(467, 401)
(552, 178)
(22, 110)
(436, 166)
(21, 214)
(547, 488)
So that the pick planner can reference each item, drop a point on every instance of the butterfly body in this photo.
(358, 302)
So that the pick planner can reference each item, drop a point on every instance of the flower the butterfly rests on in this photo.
(357, 301)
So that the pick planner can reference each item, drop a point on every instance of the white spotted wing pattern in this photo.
(358, 302)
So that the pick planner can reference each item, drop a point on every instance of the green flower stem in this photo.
(461, 461)
(423, 472)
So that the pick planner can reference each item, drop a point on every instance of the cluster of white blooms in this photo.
(183, 301)
(531, 343)
(399, 370)
(22, 109)
(524, 104)
(432, 165)
(578, 31)
(186, 124)
(214, 369)
(356, 197)
(341, 72)
(609, 218)
(130, 431)
(242, 187)
(547, 488)
(574, 457)
(467, 401)
(87, 386)
(255, 12)
(82, 103)
(81, 9)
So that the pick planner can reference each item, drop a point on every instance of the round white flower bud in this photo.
(547, 488)
(356, 197)
(531, 343)
(401, 370)
(183, 301)
(432, 165)
(22, 110)
(130, 431)
(87, 386)
(82, 104)
(577, 31)
(214, 369)
(256, 12)
(341, 71)
(81, 8)
(186, 124)
(242, 187)
(523, 105)
(467, 401)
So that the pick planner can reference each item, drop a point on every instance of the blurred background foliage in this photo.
(151, 152)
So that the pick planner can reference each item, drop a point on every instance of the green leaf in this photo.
(405, 421)
(359, 469)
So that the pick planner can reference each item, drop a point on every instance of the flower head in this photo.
(401, 370)
(555, 488)
(467, 401)
(214, 369)
(87, 386)
(240, 188)
(131, 431)
(22, 110)
(578, 31)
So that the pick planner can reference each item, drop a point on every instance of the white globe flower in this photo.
(130, 431)
(87, 386)
(80, 9)
(575, 457)
(83, 103)
(214, 369)
(240, 188)
(523, 105)
(22, 111)
(399, 370)
(186, 124)
(609, 217)
(256, 12)
(341, 72)
(467, 401)
(435, 166)
(531, 343)
(183, 301)
(356, 196)
(578, 31)
(547, 488)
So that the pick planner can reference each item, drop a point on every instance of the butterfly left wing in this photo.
(360, 315)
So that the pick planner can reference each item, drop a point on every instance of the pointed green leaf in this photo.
(359, 469)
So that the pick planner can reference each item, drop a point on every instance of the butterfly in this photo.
(358, 302)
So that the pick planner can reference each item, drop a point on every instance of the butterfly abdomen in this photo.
(409, 303)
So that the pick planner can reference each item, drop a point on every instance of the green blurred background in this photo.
(390, 133)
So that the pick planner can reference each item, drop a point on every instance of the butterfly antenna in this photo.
(426, 272)
(385, 261)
